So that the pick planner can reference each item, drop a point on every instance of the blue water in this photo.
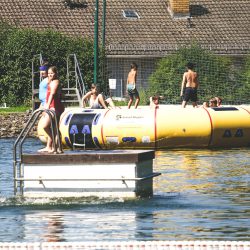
(201, 195)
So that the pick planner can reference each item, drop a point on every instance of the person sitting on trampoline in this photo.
(95, 100)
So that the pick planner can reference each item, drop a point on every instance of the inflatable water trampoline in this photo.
(155, 128)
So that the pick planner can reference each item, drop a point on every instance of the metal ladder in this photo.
(18, 145)
(36, 58)
(73, 94)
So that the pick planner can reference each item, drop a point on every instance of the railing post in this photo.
(33, 78)
(68, 70)
(96, 43)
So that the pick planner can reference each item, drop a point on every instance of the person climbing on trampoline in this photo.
(154, 101)
(219, 101)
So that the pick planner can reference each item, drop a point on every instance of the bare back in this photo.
(132, 76)
(191, 78)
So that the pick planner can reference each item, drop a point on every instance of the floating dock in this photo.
(109, 173)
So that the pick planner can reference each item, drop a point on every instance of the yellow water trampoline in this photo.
(167, 126)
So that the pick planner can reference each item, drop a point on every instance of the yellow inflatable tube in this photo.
(149, 128)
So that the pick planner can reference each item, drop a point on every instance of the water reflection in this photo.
(79, 225)
(55, 228)
(43, 226)
(206, 171)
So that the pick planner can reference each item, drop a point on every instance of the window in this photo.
(131, 14)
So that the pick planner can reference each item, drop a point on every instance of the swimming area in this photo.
(201, 195)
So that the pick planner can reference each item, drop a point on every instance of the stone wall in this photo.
(11, 124)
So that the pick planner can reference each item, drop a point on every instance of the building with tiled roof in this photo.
(153, 29)
(223, 26)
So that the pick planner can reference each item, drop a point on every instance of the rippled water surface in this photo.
(201, 195)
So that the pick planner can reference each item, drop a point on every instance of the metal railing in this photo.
(18, 145)
(73, 71)
(35, 91)
(79, 83)
(123, 179)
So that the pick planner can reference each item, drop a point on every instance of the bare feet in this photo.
(46, 150)
(51, 150)
(43, 150)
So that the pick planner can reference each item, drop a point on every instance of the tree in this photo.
(214, 74)
(18, 47)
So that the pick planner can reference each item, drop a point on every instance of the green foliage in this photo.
(217, 75)
(144, 99)
(247, 71)
(243, 76)
(18, 48)
(18, 109)
(120, 103)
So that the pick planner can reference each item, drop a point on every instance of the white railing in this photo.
(130, 245)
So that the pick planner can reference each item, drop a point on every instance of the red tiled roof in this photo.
(223, 25)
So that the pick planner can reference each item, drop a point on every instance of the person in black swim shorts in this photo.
(190, 94)
(189, 86)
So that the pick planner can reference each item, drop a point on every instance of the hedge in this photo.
(17, 50)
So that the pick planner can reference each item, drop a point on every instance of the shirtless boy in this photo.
(189, 86)
(132, 91)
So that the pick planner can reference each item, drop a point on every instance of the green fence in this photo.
(227, 76)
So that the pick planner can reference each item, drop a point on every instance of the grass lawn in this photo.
(14, 109)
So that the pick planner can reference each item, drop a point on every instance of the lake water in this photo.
(201, 195)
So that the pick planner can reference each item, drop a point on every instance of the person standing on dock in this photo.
(53, 102)
(189, 86)
(131, 88)
(44, 83)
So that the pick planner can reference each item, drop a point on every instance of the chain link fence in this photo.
(231, 82)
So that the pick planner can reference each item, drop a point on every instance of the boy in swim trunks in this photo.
(131, 89)
(189, 86)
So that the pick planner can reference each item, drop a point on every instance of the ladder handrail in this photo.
(79, 87)
(154, 174)
(33, 75)
(78, 75)
(83, 91)
(23, 135)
